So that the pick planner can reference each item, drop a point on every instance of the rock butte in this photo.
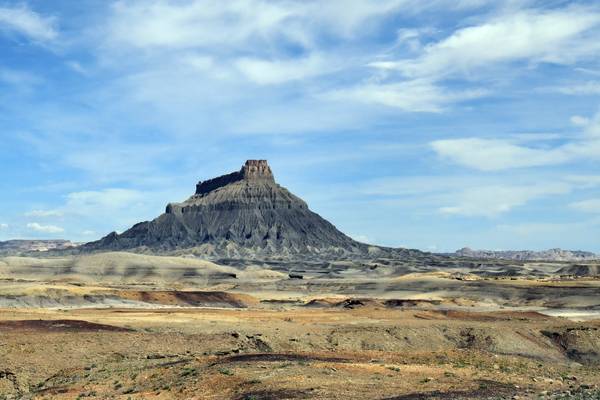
(241, 214)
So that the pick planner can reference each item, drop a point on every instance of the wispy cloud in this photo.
(578, 89)
(496, 154)
(588, 206)
(234, 24)
(501, 154)
(34, 226)
(267, 72)
(163, 24)
(24, 21)
(473, 196)
(98, 212)
(490, 201)
(180, 55)
(419, 95)
(144, 97)
(43, 213)
(101, 202)
(472, 54)
(555, 36)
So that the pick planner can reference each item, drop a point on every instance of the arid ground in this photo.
(130, 326)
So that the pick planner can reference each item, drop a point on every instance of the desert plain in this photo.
(119, 325)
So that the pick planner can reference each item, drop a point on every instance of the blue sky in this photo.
(432, 125)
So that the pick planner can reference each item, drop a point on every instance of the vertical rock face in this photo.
(257, 169)
(253, 169)
(244, 213)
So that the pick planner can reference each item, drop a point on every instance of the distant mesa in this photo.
(529, 255)
(25, 246)
(239, 215)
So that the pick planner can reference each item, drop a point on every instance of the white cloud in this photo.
(501, 154)
(536, 137)
(495, 154)
(102, 202)
(556, 36)
(159, 23)
(561, 36)
(96, 204)
(589, 206)
(350, 17)
(77, 67)
(209, 23)
(3, 226)
(204, 40)
(471, 195)
(236, 41)
(229, 25)
(44, 228)
(265, 72)
(26, 22)
(90, 214)
(44, 213)
(579, 120)
(419, 95)
(490, 201)
(584, 181)
(209, 55)
(580, 89)
(591, 126)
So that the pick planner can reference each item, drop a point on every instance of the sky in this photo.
(431, 125)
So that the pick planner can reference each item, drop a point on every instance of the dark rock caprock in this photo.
(241, 214)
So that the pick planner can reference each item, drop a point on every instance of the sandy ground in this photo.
(368, 352)
(187, 329)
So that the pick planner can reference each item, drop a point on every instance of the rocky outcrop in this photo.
(242, 214)
(252, 170)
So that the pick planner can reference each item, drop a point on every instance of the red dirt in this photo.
(61, 325)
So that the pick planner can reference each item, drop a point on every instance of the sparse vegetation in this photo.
(226, 371)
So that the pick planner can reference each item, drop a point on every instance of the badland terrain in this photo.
(242, 292)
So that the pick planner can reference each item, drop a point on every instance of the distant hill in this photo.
(529, 255)
(26, 246)
(580, 270)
